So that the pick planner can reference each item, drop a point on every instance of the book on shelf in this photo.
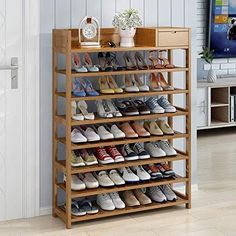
(233, 107)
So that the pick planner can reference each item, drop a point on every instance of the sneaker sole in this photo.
(131, 158)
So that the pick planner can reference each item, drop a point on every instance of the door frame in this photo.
(30, 64)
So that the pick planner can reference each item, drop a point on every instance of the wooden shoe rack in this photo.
(65, 42)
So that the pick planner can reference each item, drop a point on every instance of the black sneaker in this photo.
(128, 153)
(140, 151)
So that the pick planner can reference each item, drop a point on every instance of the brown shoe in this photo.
(142, 198)
(130, 199)
(142, 107)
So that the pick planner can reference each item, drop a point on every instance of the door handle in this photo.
(14, 71)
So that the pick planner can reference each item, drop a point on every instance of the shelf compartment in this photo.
(219, 115)
(74, 74)
(98, 120)
(100, 190)
(122, 141)
(219, 96)
(102, 214)
(124, 95)
(61, 165)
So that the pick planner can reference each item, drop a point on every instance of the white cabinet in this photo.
(202, 107)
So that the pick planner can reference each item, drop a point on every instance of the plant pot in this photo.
(127, 37)
(211, 77)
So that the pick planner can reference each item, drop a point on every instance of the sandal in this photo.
(76, 209)
(142, 107)
(86, 206)
(130, 65)
(127, 108)
(76, 62)
(114, 62)
(89, 64)
(104, 86)
(155, 83)
(113, 85)
(139, 83)
(103, 65)
(82, 105)
(130, 86)
(88, 87)
(74, 114)
(140, 61)
(165, 61)
(154, 60)
(163, 83)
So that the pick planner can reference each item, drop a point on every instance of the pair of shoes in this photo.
(159, 171)
(88, 64)
(109, 179)
(158, 83)
(160, 149)
(108, 155)
(107, 132)
(107, 109)
(159, 62)
(134, 152)
(160, 105)
(136, 198)
(109, 62)
(158, 127)
(79, 111)
(109, 86)
(134, 84)
(110, 202)
(134, 130)
(82, 158)
(139, 62)
(84, 134)
(161, 194)
(83, 88)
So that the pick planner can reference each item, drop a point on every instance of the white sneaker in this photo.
(105, 202)
(103, 179)
(165, 104)
(128, 175)
(167, 148)
(103, 110)
(116, 178)
(118, 203)
(76, 183)
(104, 134)
(169, 193)
(154, 149)
(89, 180)
(77, 136)
(128, 153)
(156, 194)
(90, 134)
(117, 133)
(141, 173)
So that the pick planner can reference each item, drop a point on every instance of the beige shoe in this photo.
(142, 198)
(153, 128)
(164, 126)
(130, 199)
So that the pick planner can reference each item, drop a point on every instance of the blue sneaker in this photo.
(154, 105)
(78, 91)
(89, 88)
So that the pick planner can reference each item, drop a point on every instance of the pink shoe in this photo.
(128, 130)
(138, 128)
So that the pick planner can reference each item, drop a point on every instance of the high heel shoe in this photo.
(163, 83)
(154, 60)
(88, 87)
(165, 61)
(74, 114)
(114, 62)
(76, 62)
(77, 89)
(155, 83)
(130, 86)
(113, 85)
(89, 64)
(140, 61)
(130, 65)
(104, 66)
(139, 83)
(104, 86)
(82, 105)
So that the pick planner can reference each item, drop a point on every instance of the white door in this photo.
(11, 135)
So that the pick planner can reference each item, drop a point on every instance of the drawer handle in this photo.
(173, 32)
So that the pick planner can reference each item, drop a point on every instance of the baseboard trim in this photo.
(48, 210)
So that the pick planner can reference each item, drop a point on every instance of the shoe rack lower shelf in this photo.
(102, 214)
(100, 190)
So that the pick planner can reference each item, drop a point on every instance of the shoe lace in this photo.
(128, 149)
(129, 170)
(114, 151)
(114, 195)
(139, 147)
(163, 102)
(102, 152)
(166, 144)
(166, 188)
(105, 196)
(155, 189)
(156, 145)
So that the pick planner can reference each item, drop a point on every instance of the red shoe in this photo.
(103, 157)
(115, 154)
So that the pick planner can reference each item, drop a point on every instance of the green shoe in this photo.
(89, 158)
(76, 159)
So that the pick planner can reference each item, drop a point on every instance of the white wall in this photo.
(68, 13)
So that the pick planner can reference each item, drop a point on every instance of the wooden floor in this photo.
(213, 212)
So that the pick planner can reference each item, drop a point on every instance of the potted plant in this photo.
(208, 56)
(127, 22)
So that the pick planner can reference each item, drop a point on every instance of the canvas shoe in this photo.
(77, 136)
(128, 175)
(129, 199)
(156, 194)
(115, 154)
(154, 149)
(118, 203)
(105, 202)
(165, 104)
(116, 178)
(117, 133)
(89, 133)
(88, 157)
(154, 106)
(76, 160)
(169, 193)
(76, 183)
(140, 151)
(104, 134)
(142, 198)
(141, 173)
(165, 170)
(89, 180)
(154, 172)
(103, 156)
(167, 148)
(164, 126)
(128, 153)
(103, 179)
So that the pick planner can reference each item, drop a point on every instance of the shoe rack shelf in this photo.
(65, 41)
